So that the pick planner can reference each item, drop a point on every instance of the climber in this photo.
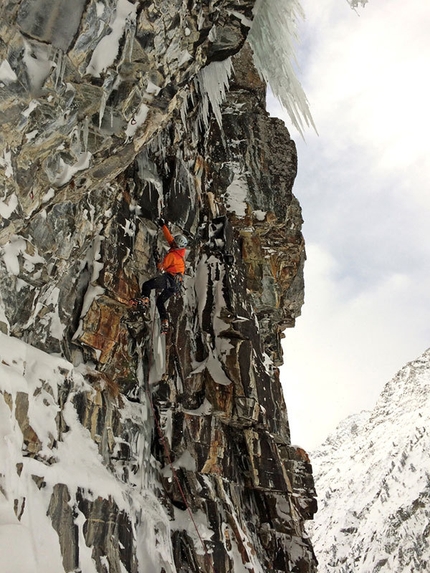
(170, 280)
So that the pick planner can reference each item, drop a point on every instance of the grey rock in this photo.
(95, 147)
(51, 21)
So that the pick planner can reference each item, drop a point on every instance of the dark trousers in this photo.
(164, 282)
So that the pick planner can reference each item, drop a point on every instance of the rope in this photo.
(175, 475)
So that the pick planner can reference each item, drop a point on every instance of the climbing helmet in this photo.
(181, 241)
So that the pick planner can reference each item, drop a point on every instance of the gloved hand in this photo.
(161, 222)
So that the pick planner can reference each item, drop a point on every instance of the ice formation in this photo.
(272, 37)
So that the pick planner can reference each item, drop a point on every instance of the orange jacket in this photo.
(174, 261)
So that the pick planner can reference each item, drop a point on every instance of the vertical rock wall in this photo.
(112, 114)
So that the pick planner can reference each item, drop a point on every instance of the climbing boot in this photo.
(164, 326)
(141, 304)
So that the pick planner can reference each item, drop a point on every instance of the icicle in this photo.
(103, 101)
(130, 32)
(148, 172)
(200, 20)
(85, 130)
(272, 39)
(60, 67)
(213, 81)
(75, 141)
(184, 108)
(355, 3)
(108, 86)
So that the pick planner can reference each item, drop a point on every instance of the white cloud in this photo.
(344, 349)
(372, 67)
(363, 186)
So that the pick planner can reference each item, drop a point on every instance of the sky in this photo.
(363, 184)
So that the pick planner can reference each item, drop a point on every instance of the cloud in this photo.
(363, 187)
(344, 349)
(371, 67)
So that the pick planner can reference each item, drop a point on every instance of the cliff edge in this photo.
(124, 449)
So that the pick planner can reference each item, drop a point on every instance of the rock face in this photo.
(143, 452)
(373, 481)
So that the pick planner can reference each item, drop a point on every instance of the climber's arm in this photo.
(167, 235)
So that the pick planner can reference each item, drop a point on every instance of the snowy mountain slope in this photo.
(46, 465)
(373, 480)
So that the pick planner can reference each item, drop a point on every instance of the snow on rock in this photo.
(7, 75)
(64, 172)
(107, 49)
(123, 449)
(45, 452)
(6, 162)
(237, 193)
(17, 253)
(372, 479)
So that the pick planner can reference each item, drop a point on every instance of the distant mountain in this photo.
(373, 481)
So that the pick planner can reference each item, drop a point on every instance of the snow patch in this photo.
(216, 370)
(7, 208)
(31, 135)
(182, 522)
(15, 249)
(66, 172)
(36, 57)
(206, 408)
(236, 193)
(48, 195)
(137, 120)
(6, 162)
(31, 107)
(152, 88)
(7, 75)
(107, 49)
(259, 215)
(94, 290)
(185, 461)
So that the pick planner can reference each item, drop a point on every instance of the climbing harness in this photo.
(178, 282)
